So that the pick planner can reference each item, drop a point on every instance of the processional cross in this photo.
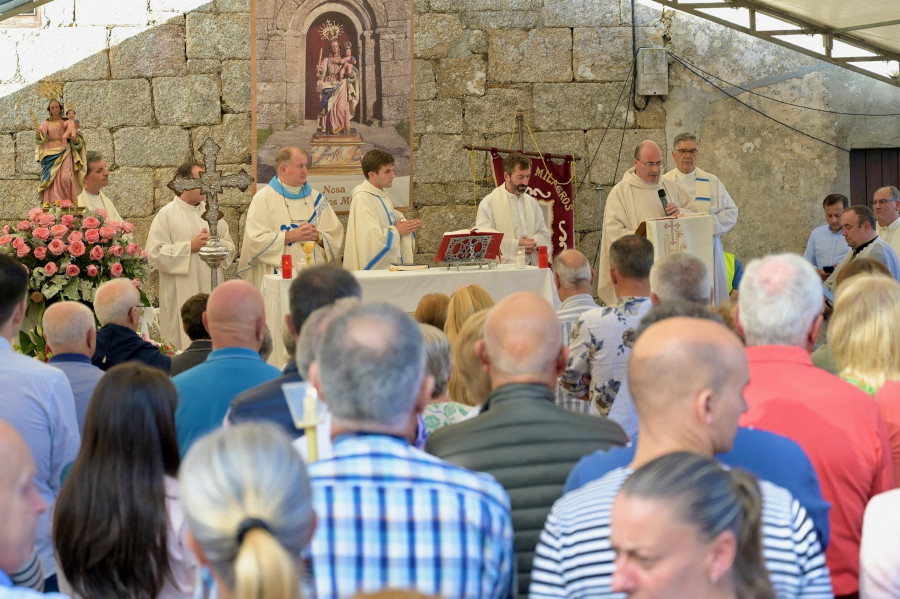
(211, 183)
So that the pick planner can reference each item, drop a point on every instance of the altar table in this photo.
(405, 289)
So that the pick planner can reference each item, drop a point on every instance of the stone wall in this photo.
(153, 84)
(564, 63)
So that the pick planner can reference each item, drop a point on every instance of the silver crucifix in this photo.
(211, 183)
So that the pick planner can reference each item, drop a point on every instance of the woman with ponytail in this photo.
(248, 503)
(684, 527)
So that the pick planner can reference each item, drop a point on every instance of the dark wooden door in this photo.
(871, 169)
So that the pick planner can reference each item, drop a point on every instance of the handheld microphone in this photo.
(663, 199)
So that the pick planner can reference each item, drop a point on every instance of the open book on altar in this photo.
(470, 244)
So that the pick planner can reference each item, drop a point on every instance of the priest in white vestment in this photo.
(95, 180)
(886, 206)
(633, 200)
(285, 214)
(514, 213)
(711, 197)
(176, 235)
(377, 235)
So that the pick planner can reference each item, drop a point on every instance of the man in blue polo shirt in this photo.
(236, 320)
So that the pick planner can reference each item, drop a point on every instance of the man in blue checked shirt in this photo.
(391, 516)
(826, 246)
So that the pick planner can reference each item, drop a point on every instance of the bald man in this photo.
(633, 200)
(20, 506)
(72, 339)
(236, 321)
(521, 437)
(687, 376)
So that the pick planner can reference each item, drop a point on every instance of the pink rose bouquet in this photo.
(68, 254)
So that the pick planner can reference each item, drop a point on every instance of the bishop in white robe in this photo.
(274, 212)
(284, 215)
(181, 271)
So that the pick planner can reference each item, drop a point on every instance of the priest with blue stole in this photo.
(284, 215)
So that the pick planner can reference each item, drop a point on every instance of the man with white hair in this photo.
(573, 277)
(72, 338)
(391, 516)
(712, 198)
(117, 305)
(680, 277)
(520, 432)
(839, 426)
(886, 206)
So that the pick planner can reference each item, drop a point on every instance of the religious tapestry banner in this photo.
(551, 185)
(334, 78)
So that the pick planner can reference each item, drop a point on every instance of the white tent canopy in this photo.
(861, 35)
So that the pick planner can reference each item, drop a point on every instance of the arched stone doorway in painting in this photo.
(303, 42)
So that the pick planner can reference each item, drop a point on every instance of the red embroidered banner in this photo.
(551, 185)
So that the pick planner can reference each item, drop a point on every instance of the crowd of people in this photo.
(671, 442)
(456, 462)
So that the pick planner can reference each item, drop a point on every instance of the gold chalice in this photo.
(308, 248)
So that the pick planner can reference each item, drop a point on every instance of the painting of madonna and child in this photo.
(335, 81)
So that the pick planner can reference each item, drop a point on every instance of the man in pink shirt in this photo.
(839, 426)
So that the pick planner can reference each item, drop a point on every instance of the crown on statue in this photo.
(50, 89)
(331, 31)
(348, 46)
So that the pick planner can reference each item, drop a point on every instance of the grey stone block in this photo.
(424, 85)
(549, 53)
(222, 36)
(589, 105)
(19, 196)
(145, 146)
(236, 85)
(116, 103)
(580, 13)
(203, 65)
(436, 220)
(189, 100)
(438, 116)
(495, 111)
(156, 52)
(131, 190)
(441, 159)
(25, 157)
(435, 33)
(462, 77)
(233, 136)
(7, 155)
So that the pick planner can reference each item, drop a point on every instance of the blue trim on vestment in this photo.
(390, 237)
(279, 187)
